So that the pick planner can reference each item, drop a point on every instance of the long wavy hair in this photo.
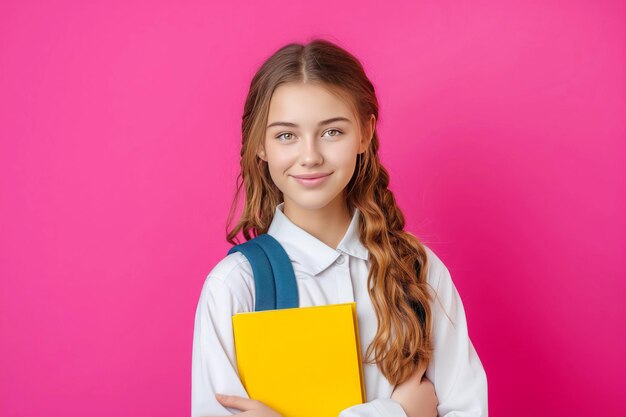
(398, 260)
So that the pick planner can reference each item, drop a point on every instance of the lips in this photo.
(313, 179)
(312, 175)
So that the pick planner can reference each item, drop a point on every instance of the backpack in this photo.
(274, 280)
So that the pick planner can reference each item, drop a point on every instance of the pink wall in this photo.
(502, 124)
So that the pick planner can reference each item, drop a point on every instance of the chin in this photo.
(312, 204)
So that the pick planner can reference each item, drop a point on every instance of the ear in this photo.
(261, 153)
(368, 134)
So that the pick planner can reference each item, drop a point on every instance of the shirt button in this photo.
(340, 260)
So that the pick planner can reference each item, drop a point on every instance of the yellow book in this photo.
(302, 362)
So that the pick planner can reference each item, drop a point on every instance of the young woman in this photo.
(313, 180)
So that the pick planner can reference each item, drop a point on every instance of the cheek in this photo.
(279, 161)
(343, 158)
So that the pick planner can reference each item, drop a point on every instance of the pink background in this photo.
(502, 124)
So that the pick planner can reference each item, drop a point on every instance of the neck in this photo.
(328, 224)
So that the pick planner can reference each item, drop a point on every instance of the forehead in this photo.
(306, 104)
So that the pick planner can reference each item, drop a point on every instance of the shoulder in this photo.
(446, 297)
(437, 272)
(232, 275)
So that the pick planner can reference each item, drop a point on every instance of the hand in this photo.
(251, 408)
(417, 396)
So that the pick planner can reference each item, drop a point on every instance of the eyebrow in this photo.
(322, 123)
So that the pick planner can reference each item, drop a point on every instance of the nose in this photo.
(310, 154)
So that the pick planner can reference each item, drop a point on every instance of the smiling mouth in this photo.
(312, 181)
(311, 176)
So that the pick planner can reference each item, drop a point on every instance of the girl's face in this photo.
(311, 133)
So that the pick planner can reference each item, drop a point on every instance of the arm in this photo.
(214, 366)
(417, 396)
(455, 369)
(213, 363)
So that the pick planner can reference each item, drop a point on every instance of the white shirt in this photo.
(329, 276)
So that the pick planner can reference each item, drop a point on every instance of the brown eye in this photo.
(339, 132)
(282, 134)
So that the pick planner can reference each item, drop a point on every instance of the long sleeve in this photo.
(214, 367)
(380, 407)
(456, 371)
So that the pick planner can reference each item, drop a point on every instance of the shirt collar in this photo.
(310, 252)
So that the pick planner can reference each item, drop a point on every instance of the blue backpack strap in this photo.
(265, 290)
(274, 280)
(284, 277)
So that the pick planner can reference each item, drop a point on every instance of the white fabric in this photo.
(327, 276)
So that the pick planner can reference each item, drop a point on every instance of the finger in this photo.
(237, 402)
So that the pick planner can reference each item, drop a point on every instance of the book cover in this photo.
(302, 362)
